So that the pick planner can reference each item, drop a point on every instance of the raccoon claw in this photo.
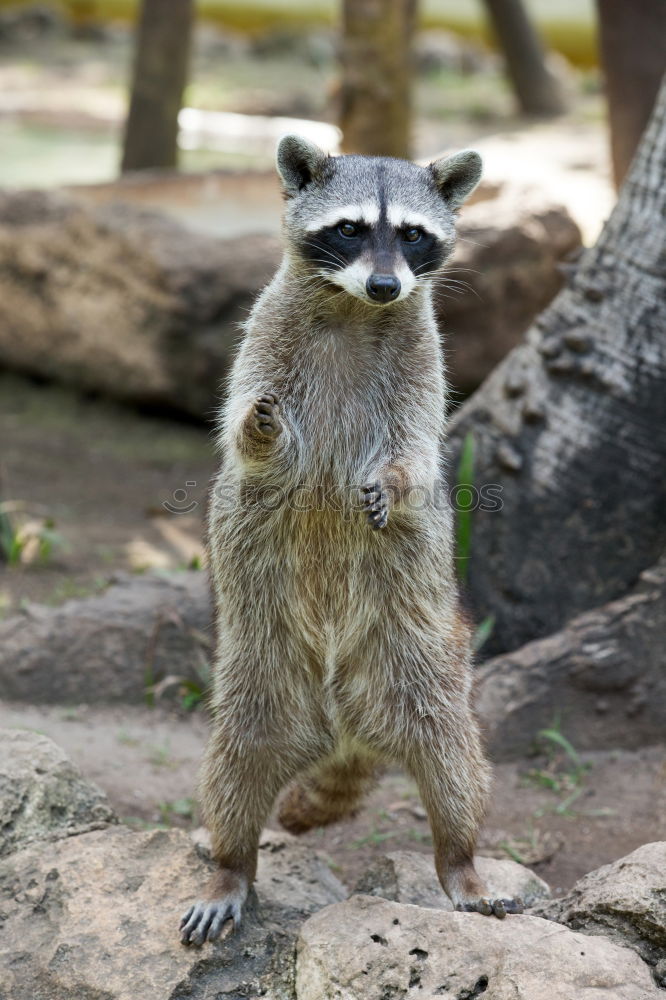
(492, 907)
(204, 921)
(266, 415)
(374, 505)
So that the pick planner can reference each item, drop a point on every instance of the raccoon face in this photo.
(375, 227)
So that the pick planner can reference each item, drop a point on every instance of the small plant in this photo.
(30, 542)
(193, 692)
(10, 549)
(179, 808)
(465, 481)
(482, 632)
(556, 737)
(374, 838)
(563, 772)
(161, 756)
(190, 690)
(465, 485)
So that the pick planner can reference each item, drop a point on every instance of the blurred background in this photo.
(140, 216)
(232, 69)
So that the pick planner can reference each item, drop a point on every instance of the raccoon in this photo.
(340, 640)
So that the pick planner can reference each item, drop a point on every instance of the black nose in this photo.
(382, 287)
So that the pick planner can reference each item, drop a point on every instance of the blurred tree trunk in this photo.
(632, 39)
(376, 60)
(159, 78)
(537, 90)
(572, 427)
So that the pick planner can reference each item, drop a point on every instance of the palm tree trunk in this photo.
(160, 75)
(572, 427)
(632, 40)
(537, 90)
(376, 61)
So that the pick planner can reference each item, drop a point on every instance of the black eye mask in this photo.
(329, 249)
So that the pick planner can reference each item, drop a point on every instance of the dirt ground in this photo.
(101, 473)
(147, 762)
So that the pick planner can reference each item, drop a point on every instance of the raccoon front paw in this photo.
(375, 505)
(266, 415)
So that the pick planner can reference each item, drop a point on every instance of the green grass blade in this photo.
(464, 515)
(483, 632)
(555, 736)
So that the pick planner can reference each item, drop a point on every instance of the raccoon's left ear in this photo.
(299, 161)
(457, 176)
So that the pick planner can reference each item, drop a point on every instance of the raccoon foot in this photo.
(491, 907)
(375, 505)
(468, 893)
(204, 920)
(266, 414)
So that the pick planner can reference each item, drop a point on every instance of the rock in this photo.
(624, 901)
(409, 877)
(96, 916)
(42, 793)
(111, 647)
(123, 301)
(603, 671)
(371, 948)
(111, 298)
(507, 260)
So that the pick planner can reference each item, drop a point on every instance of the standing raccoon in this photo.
(340, 644)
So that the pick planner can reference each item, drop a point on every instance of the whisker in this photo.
(326, 250)
(465, 239)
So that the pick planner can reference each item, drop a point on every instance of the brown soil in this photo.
(102, 473)
(147, 762)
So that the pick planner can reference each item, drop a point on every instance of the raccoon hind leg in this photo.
(330, 791)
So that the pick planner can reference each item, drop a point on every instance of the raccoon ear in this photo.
(298, 162)
(457, 176)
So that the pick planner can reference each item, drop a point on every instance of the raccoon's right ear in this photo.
(298, 163)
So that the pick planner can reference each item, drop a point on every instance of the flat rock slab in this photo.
(409, 877)
(625, 900)
(371, 948)
(95, 917)
(604, 671)
(111, 647)
(42, 793)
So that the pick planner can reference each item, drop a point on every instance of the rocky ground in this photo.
(88, 909)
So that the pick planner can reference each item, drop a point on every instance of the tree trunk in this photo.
(376, 62)
(159, 78)
(536, 89)
(572, 427)
(632, 40)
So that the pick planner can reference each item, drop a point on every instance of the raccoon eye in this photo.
(348, 230)
(412, 235)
